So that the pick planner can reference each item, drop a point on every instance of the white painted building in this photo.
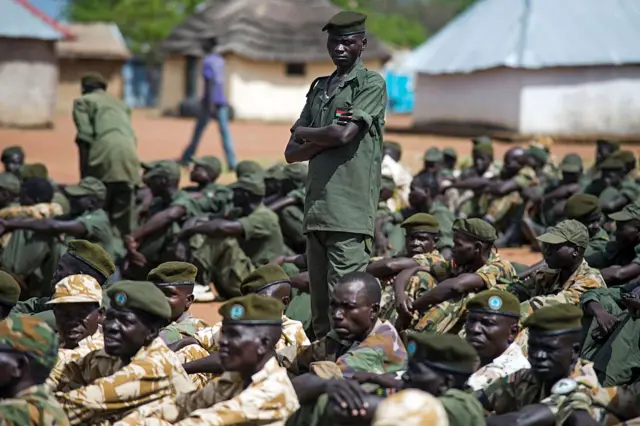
(557, 67)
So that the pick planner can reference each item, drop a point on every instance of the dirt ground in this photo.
(162, 138)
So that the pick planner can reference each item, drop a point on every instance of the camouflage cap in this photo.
(477, 228)
(252, 183)
(450, 152)
(445, 352)
(93, 78)
(164, 168)
(629, 212)
(12, 150)
(538, 153)
(483, 148)
(275, 172)
(264, 277)
(77, 289)
(296, 173)
(170, 274)
(567, 231)
(482, 140)
(10, 182)
(421, 222)
(612, 164)
(140, 295)
(210, 163)
(387, 182)
(571, 163)
(32, 171)
(497, 302)
(93, 255)
(87, 186)
(248, 167)
(392, 145)
(555, 319)
(252, 309)
(624, 156)
(32, 336)
(411, 407)
(581, 205)
(347, 22)
(433, 155)
(614, 144)
(9, 289)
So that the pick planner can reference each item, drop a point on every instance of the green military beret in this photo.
(612, 164)
(210, 163)
(567, 231)
(629, 212)
(252, 309)
(387, 183)
(539, 154)
(296, 173)
(275, 172)
(263, 277)
(346, 23)
(571, 163)
(87, 186)
(148, 165)
(581, 205)
(477, 228)
(140, 295)
(482, 140)
(31, 336)
(555, 319)
(421, 222)
(392, 145)
(496, 302)
(93, 78)
(9, 289)
(172, 274)
(614, 144)
(248, 167)
(450, 152)
(485, 148)
(433, 155)
(445, 352)
(93, 255)
(32, 171)
(10, 182)
(164, 168)
(624, 156)
(252, 183)
(12, 150)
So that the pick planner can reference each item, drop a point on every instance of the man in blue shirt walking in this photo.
(214, 104)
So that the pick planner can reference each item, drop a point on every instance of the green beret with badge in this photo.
(249, 167)
(210, 163)
(433, 155)
(421, 222)
(164, 168)
(263, 277)
(171, 274)
(629, 212)
(485, 148)
(10, 182)
(444, 352)
(9, 289)
(92, 255)
(87, 186)
(31, 336)
(143, 296)
(567, 231)
(296, 173)
(581, 206)
(571, 163)
(11, 151)
(346, 23)
(387, 182)
(93, 79)
(252, 183)
(612, 164)
(497, 302)
(252, 309)
(555, 319)
(478, 229)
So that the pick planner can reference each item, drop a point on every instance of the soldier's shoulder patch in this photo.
(237, 311)
(120, 298)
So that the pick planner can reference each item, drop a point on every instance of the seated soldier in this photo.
(604, 149)
(249, 167)
(619, 263)
(290, 208)
(491, 328)
(537, 158)
(76, 307)
(154, 241)
(439, 365)
(391, 166)
(176, 281)
(273, 178)
(608, 187)
(39, 171)
(134, 368)
(559, 387)
(421, 237)
(81, 258)
(12, 158)
(35, 202)
(9, 294)
(474, 267)
(9, 192)
(431, 163)
(585, 209)
(628, 189)
(253, 390)
(87, 219)
(234, 247)
(612, 341)
(28, 351)
(213, 198)
(388, 238)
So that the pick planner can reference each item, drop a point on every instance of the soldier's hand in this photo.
(137, 258)
(345, 118)
(606, 322)
(404, 305)
(348, 395)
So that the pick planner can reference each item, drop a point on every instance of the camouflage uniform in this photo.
(99, 388)
(446, 316)
(509, 362)
(85, 346)
(185, 326)
(33, 406)
(411, 407)
(522, 388)
(621, 405)
(498, 210)
(36, 211)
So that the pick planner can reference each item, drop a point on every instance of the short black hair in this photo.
(370, 283)
(38, 189)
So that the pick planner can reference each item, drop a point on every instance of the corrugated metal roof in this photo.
(534, 34)
(19, 21)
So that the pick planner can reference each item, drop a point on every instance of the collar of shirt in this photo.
(349, 344)
(95, 338)
(354, 72)
(554, 274)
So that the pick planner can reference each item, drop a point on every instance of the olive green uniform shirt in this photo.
(262, 240)
(291, 221)
(597, 243)
(343, 183)
(614, 254)
(99, 231)
(216, 199)
(103, 124)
